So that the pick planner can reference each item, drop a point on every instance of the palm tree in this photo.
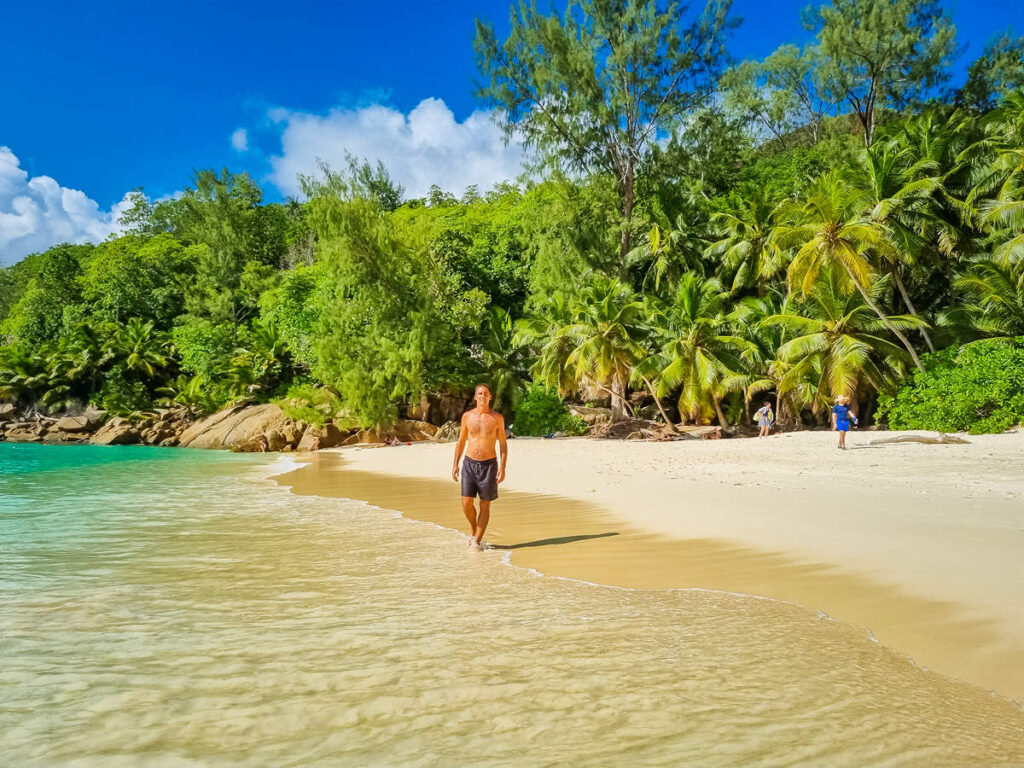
(31, 376)
(141, 348)
(764, 373)
(674, 248)
(546, 333)
(898, 196)
(942, 145)
(836, 345)
(696, 353)
(669, 253)
(262, 361)
(996, 306)
(934, 140)
(1005, 211)
(89, 356)
(831, 233)
(606, 332)
(744, 246)
(192, 392)
(502, 358)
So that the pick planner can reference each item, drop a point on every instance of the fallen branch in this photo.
(941, 439)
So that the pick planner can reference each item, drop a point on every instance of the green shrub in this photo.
(542, 412)
(204, 348)
(311, 404)
(197, 394)
(120, 395)
(978, 388)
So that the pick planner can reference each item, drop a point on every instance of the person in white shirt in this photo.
(765, 419)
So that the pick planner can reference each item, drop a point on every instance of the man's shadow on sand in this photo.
(558, 540)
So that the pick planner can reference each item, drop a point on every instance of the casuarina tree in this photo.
(594, 89)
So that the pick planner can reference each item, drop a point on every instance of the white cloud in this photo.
(37, 212)
(240, 140)
(427, 146)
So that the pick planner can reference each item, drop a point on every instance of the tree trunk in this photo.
(910, 306)
(885, 320)
(721, 416)
(627, 213)
(865, 110)
(619, 408)
(684, 417)
(657, 402)
(869, 114)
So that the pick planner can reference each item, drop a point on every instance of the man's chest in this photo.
(482, 424)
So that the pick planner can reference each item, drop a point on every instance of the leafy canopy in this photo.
(592, 90)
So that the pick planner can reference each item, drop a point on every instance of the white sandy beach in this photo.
(909, 539)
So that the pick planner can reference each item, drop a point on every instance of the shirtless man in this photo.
(481, 427)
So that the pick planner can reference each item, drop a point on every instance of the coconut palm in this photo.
(837, 344)
(503, 359)
(141, 348)
(934, 140)
(261, 362)
(606, 332)
(33, 376)
(666, 254)
(697, 355)
(764, 372)
(996, 300)
(1005, 210)
(744, 246)
(546, 333)
(830, 232)
(89, 356)
(193, 392)
(938, 144)
(898, 198)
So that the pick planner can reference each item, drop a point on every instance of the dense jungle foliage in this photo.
(695, 233)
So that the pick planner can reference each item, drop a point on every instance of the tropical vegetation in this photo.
(693, 233)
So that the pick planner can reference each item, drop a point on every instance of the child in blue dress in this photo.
(841, 418)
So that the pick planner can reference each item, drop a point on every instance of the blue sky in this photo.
(104, 97)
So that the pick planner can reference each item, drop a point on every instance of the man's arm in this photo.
(459, 446)
(503, 446)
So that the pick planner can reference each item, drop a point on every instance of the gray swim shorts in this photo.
(480, 478)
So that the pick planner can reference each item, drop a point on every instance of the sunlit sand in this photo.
(919, 544)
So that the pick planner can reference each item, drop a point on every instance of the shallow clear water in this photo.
(166, 607)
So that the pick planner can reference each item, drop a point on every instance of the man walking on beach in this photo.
(481, 428)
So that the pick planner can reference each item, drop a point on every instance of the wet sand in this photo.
(920, 545)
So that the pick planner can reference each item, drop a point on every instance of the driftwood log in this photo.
(940, 439)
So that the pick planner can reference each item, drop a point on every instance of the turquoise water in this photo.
(50, 495)
(165, 607)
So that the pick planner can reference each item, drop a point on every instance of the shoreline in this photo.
(923, 562)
